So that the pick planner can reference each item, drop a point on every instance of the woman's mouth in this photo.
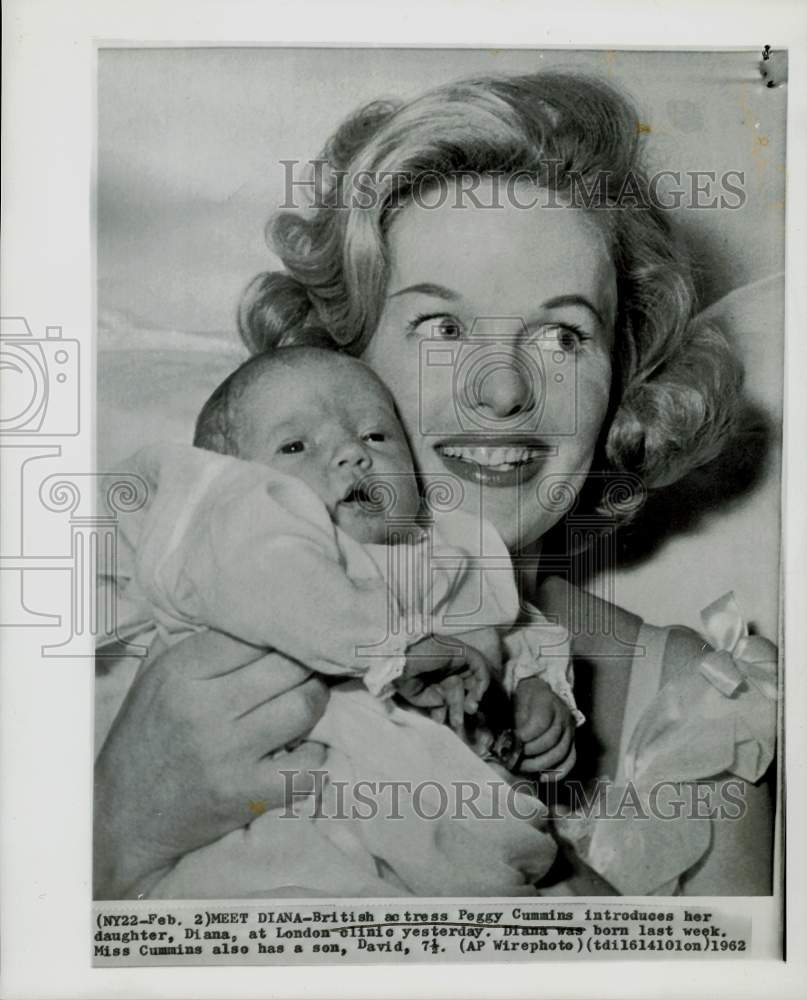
(496, 464)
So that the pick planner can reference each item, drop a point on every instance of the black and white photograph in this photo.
(457, 556)
(430, 555)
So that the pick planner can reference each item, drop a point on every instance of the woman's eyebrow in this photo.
(428, 288)
(575, 300)
(441, 292)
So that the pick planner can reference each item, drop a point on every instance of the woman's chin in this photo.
(509, 512)
(518, 540)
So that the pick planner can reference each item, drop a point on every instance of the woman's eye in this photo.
(567, 336)
(436, 325)
(291, 448)
(448, 328)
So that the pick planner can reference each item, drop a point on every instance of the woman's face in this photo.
(495, 340)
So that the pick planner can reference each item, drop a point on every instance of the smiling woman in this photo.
(559, 314)
(541, 351)
(520, 297)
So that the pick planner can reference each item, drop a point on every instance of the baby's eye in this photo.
(375, 436)
(292, 448)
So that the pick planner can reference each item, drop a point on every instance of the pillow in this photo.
(152, 385)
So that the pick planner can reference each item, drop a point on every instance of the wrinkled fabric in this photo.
(715, 716)
(420, 815)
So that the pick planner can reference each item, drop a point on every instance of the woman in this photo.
(492, 249)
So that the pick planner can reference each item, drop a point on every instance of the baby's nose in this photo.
(353, 455)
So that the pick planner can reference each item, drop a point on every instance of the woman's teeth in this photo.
(501, 458)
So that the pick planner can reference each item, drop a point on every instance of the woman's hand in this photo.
(188, 756)
(544, 724)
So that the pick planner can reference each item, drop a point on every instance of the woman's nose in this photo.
(503, 388)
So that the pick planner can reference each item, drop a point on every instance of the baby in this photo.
(329, 421)
(281, 540)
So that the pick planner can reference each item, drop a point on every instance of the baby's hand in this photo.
(449, 676)
(544, 724)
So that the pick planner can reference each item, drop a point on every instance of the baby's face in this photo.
(334, 426)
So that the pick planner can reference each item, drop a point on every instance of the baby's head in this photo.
(325, 418)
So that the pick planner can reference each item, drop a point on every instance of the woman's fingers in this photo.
(284, 778)
(248, 687)
(438, 714)
(453, 689)
(280, 720)
(257, 772)
(477, 678)
(178, 722)
(274, 781)
(208, 654)
(416, 693)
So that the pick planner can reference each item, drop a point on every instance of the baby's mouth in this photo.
(358, 495)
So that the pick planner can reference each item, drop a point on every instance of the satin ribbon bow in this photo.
(737, 657)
